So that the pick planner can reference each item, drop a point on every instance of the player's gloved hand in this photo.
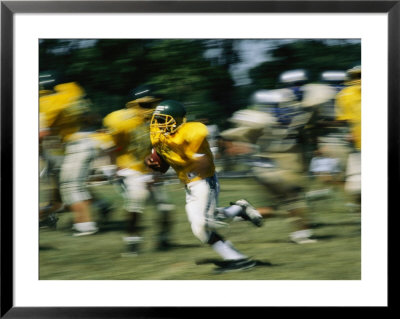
(150, 163)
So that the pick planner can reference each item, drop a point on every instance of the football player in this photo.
(65, 112)
(51, 153)
(348, 106)
(277, 162)
(129, 128)
(184, 146)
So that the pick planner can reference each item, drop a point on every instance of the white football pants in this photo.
(138, 188)
(75, 170)
(201, 204)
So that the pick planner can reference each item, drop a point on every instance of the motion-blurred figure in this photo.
(294, 80)
(325, 167)
(130, 130)
(335, 80)
(278, 164)
(348, 104)
(325, 173)
(331, 148)
(314, 121)
(304, 103)
(65, 113)
(51, 152)
(184, 146)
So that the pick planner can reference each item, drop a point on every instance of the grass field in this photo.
(336, 255)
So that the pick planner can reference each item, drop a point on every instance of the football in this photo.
(157, 163)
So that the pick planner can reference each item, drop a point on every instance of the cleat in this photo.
(235, 265)
(303, 241)
(249, 212)
(50, 221)
(84, 233)
(104, 207)
(302, 237)
(132, 246)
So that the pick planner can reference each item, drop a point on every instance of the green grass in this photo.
(336, 255)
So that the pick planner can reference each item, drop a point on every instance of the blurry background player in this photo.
(314, 101)
(290, 111)
(294, 80)
(130, 130)
(328, 160)
(184, 146)
(335, 80)
(348, 107)
(51, 152)
(65, 113)
(278, 161)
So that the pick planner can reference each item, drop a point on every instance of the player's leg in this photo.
(298, 212)
(352, 185)
(286, 185)
(135, 193)
(201, 201)
(164, 209)
(74, 192)
(48, 213)
(242, 208)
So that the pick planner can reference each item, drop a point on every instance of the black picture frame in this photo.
(9, 8)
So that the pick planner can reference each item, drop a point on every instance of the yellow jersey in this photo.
(61, 112)
(348, 108)
(131, 135)
(182, 149)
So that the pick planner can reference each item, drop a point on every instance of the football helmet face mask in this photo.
(167, 117)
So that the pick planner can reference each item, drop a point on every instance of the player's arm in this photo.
(44, 129)
(343, 114)
(106, 148)
(107, 145)
(112, 126)
(199, 161)
(193, 141)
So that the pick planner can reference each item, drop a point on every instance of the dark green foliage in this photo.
(109, 69)
(315, 56)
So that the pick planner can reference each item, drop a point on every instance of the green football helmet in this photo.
(168, 116)
(146, 96)
(145, 90)
(48, 80)
(145, 99)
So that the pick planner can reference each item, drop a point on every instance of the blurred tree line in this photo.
(109, 69)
